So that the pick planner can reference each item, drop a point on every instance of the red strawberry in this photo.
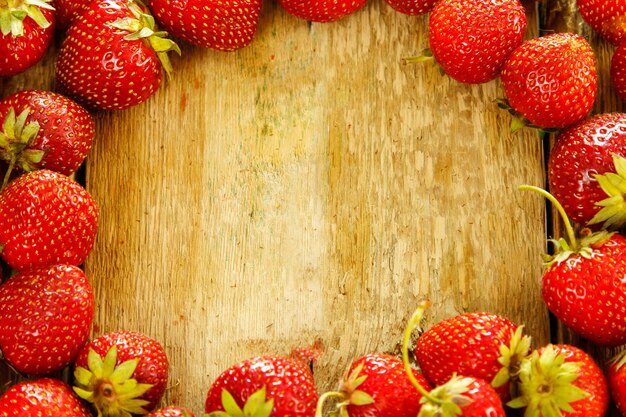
(44, 397)
(322, 10)
(47, 219)
(412, 7)
(113, 56)
(222, 25)
(605, 17)
(108, 365)
(378, 385)
(550, 81)
(26, 32)
(616, 375)
(67, 11)
(583, 282)
(471, 39)
(41, 129)
(171, 411)
(463, 397)
(580, 153)
(618, 70)
(45, 318)
(558, 380)
(281, 386)
(480, 345)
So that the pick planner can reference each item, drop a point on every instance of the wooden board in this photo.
(309, 187)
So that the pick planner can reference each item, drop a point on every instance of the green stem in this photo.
(413, 323)
(7, 174)
(568, 226)
(323, 398)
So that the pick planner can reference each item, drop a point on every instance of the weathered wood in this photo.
(310, 186)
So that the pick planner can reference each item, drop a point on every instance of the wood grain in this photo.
(309, 187)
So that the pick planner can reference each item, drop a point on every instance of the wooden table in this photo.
(312, 186)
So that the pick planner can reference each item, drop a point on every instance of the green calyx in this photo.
(613, 211)
(257, 405)
(15, 138)
(511, 357)
(13, 13)
(142, 26)
(110, 388)
(619, 360)
(446, 400)
(547, 384)
(518, 121)
(350, 394)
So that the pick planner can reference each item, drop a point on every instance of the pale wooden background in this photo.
(311, 186)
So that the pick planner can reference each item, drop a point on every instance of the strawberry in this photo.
(113, 56)
(582, 283)
(378, 385)
(171, 411)
(41, 129)
(45, 318)
(322, 10)
(264, 385)
(43, 397)
(580, 153)
(412, 7)
(550, 82)
(558, 380)
(26, 32)
(471, 39)
(122, 372)
(67, 11)
(617, 70)
(605, 17)
(616, 375)
(47, 219)
(480, 345)
(221, 25)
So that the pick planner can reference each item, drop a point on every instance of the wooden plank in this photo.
(310, 186)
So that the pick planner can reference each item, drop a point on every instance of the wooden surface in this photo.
(310, 187)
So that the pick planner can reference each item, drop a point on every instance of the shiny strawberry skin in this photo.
(579, 152)
(389, 386)
(617, 71)
(471, 39)
(45, 318)
(322, 10)
(484, 401)
(412, 7)
(101, 69)
(66, 129)
(19, 53)
(43, 397)
(222, 25)
(47, 219)
(468, 345)
(551, 80)
(153, 367)
(605, 17)
(616, 376)
(171, 411)
(587, 295)
(288, 382)
(67, 11)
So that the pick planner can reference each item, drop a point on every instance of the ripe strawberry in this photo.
(618, 71)
(412, 7)
(605, 17)
(43, 397)
(561, 380)
(221, 25)
(67, 11)
(45, 318)
(265, 384)
(47, 219)
(112, 56)
(171, 411)
(550, 82)
(616, 375)
(580, 153)
(41, 129)
(463, 396)
(122, 371)
(471, 39)
(480, 345)
(378, 385)
(322, 10)
(26, 32)
(583, 284)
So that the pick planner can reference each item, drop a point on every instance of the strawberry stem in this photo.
(568, 226)
(324, 397)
